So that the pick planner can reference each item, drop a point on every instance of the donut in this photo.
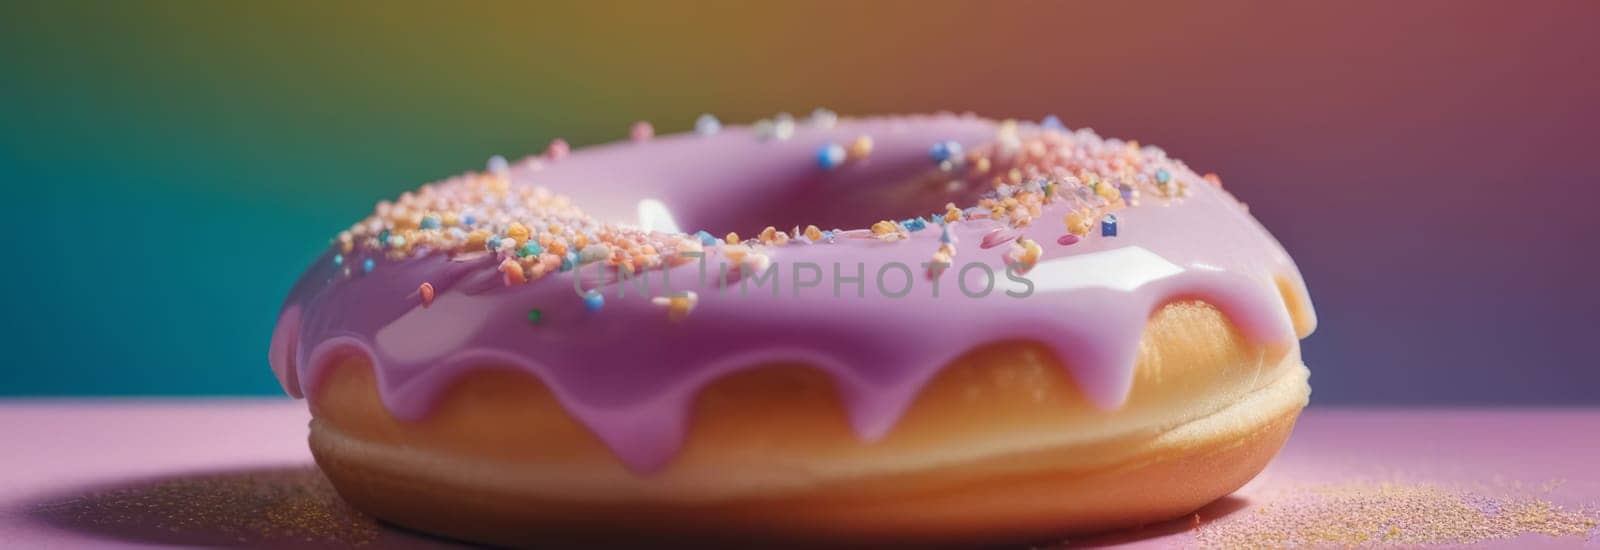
(888, 330)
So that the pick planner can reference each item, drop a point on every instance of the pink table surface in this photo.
(139, 473)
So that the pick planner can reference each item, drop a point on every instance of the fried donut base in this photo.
(1000, 446)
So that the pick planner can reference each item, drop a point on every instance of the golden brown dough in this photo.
(999, 446)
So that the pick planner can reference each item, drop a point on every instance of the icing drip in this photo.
(630, 371)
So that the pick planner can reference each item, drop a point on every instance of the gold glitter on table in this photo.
(274, 506)
(1394, 514)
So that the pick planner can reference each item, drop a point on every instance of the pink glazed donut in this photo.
(863, 331)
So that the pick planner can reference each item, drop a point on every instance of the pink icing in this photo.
(630, 374)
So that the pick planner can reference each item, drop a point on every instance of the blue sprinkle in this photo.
(1108, 226)
(706, 239)
(338, 260)
(368, 265)
(468, 220)
(830, 156)
(530, 248)
(944, 234)
(593, 301)
(1163, 176)
(383, 237)
(492, 244)
(1051, 122)
(707, 125)
(827, 236)
(569, 261)
(1127, 193)
(945, 150)
(915, 224)
(430, 222)
(498, 165)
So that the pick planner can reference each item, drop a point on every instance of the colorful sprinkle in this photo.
(338, 260)
(594, 253)
(593, 300)
(783, 126)
(511, 272)
(535, 232)
(678, 307)
(1024, 254)
(885, 228)
(535, 316)
(813, 233)
(997, 237)
(557, 150)
(772, 236)
(1051, 122)
(642, 131)
(779, 128)
(951, 213)
(823, 118)
(1068, 240)
(830, 156)
(426, 290)
(368, 265)
(945, 151)
(498, 165)
(707, 125)
(861, 148)
(1078, 223)
(530, 249)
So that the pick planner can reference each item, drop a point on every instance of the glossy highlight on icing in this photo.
(630, 372)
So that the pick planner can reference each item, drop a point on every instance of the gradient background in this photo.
(169, 168)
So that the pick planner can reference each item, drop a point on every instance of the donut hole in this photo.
(852, 197)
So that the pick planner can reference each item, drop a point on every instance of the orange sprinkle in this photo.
(512, 271)
(426, 290)
(861, 147)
